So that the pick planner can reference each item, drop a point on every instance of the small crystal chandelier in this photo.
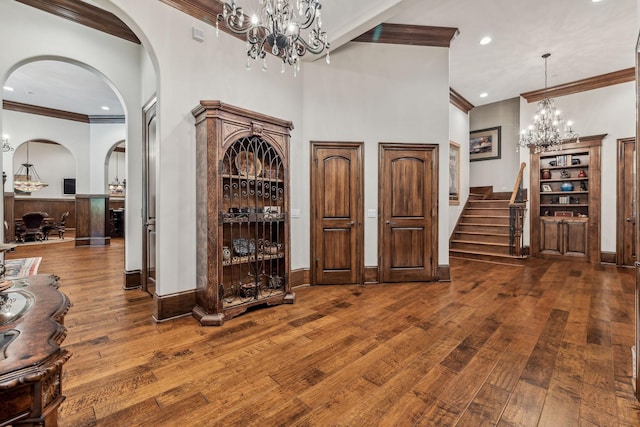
(278, 25)
(26, 179)
(5, 144)
(116, 188)
(544, 134)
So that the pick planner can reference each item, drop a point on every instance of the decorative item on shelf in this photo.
(248, 287)
(567, 214)
(546, 212)
(546, 188)
(574, 200)
(244, 246)
(582, 173)
(545, 174)
(271, 248)
(226, 253)
(275, 282)
(553, 163)
(248, 165)
(271, 212)
(583, 186)
(271, 172)
(278, 26)
(564, 173)
(566, 186)
(545, 134)
(575, 162)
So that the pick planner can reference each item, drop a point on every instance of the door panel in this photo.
(576, 239)
(337, 206)
(149, 200)
(407, 198)
(626, 202)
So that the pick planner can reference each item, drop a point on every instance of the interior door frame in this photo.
(359, 208)
(637, 225)
(382, 148)
(149, 112)
(621, 200)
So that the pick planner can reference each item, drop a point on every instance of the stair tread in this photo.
(480, 233)
(465, 251)
(480, 243)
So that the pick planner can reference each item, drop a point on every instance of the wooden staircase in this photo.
(482, 232)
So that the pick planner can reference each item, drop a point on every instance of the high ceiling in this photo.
(585, 39)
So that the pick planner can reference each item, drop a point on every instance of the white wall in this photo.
(459, 133)
(610, 110)
(45, 36)
(103, 137)
(500, 173)
(365, 96)
(190, 71)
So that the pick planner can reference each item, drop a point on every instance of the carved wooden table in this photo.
(31, 331)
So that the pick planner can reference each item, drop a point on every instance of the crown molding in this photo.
(85, 14)
(44, 111)
(459, 101)
(106, 119)
(414, 35)
(596, 82)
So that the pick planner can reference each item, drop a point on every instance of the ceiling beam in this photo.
(413, 35)
(86, 14)
(596, 82)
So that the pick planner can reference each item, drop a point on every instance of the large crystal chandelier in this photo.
(278, 24)
(544, 134)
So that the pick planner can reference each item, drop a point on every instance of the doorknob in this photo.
(352, 223)
(631, 219)
(391, 223)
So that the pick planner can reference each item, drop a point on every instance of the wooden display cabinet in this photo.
(243, 247)
(565, 200)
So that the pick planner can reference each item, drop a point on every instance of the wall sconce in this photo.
(5, 144)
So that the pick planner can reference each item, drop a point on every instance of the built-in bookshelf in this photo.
(565, 200)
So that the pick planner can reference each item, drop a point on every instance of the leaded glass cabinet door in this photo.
(242, 227)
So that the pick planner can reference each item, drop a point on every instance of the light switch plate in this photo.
(197, 34)
(295, 213)
(371, 213)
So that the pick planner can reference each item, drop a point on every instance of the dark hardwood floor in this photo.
(545, 344)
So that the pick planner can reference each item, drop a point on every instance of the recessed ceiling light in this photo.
(484, 95)
(7, 88)
(595, 1)
(485, 40)
(105, 108)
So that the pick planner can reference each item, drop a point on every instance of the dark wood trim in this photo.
(608, 257)
(106, 119)
(44, 111)
(132, 279)
(371, 275)
(170, 306)
(205, 10)
(459, 102)
(92, 219)
(87, 15)
(414, 35)
(297, 277)
(444, 273)
(590, 83)
(9, 204)
(214, 108)
(620, 198)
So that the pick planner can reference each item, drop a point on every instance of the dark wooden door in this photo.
(337, 213)
(407, 197)
(149, 200)
(626, 202)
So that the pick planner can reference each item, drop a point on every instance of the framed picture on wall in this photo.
(454, 173)
(484, 144)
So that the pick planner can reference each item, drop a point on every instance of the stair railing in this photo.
(517, 208)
